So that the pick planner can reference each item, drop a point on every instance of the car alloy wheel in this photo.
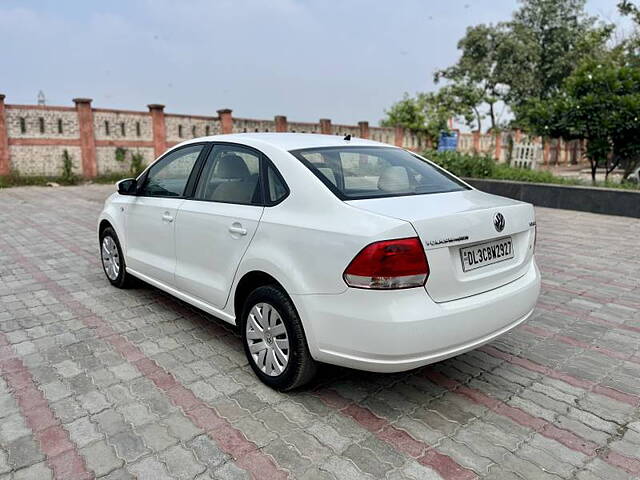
(110, 258)
(267, 339)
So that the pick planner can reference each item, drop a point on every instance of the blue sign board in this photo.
(448, 142)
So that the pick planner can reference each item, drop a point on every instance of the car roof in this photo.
(288, 141)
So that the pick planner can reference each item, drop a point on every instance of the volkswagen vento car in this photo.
(321, 248)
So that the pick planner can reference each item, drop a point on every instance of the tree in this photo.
(526, 57)
(630, 47)
(463, 100)
(477, 77)
(627, 7)
(599, 103)
(548, 39)
(406, 113)
(426, 114)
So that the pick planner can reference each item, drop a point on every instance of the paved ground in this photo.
(102, 382)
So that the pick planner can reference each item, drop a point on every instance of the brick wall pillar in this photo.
(226, 120)
(399, 137)
(364, 129)
(546, 150)
(476, 141)
(325, 126)
(5, 167)
(281, 123)
(159, 129)
(498, 152)
(87, 137)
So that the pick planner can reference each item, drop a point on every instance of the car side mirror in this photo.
(127, 186)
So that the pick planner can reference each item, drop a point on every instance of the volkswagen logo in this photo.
(498, 222)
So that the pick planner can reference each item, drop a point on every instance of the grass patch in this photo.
(13, 180)
(479, 166)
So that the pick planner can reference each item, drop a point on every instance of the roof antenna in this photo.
(347, 137)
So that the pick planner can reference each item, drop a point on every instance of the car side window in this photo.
(168, 177)
(277, 188)
(231, 175)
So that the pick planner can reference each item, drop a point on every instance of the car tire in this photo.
(112, 259)
(281, 318)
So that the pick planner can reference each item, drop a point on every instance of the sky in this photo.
(346, 60)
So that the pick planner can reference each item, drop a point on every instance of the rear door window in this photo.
(231, 175)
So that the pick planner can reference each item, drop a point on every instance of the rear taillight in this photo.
(389, 264)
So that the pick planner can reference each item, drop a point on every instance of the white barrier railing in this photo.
(526, 155)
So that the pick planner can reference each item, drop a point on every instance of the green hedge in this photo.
(479, 166)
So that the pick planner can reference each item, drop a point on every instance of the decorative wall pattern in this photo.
(184, 127)
(33, 160)
(28, 122)
(34, 137)
(114, 125)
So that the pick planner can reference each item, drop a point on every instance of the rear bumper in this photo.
(393, 331)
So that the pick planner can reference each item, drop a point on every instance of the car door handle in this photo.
(238, 229)
(166, 217)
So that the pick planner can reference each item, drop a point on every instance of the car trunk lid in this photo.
(449, 222)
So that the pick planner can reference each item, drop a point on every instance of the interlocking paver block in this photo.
(329, 436)
(83, 431)
(128, 445)
(137, 414)
(94, 402)
(101, 457)
(181, 462)
(23, 452)
(207, 452)
(119, 474)
(565, 383)
(366, 460)
(39, 471)
(342, 468)
(149, 469)
(229, 471)
(288, 457)
(12, 428)
(255, 431)
(181, 427)
(110, 422)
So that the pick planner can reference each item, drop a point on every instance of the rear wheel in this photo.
(113, 260)
(274, 339)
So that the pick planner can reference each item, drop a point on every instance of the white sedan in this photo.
(325, 249)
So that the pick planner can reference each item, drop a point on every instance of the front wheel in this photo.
(274, 340)
(113, 260)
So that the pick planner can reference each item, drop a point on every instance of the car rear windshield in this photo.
(369, 172)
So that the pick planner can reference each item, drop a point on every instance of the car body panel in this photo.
(447, 222)
(306, 242)
(150, 229)
(207, 251)
(397, 330)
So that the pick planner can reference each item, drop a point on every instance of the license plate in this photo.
(487, 253)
